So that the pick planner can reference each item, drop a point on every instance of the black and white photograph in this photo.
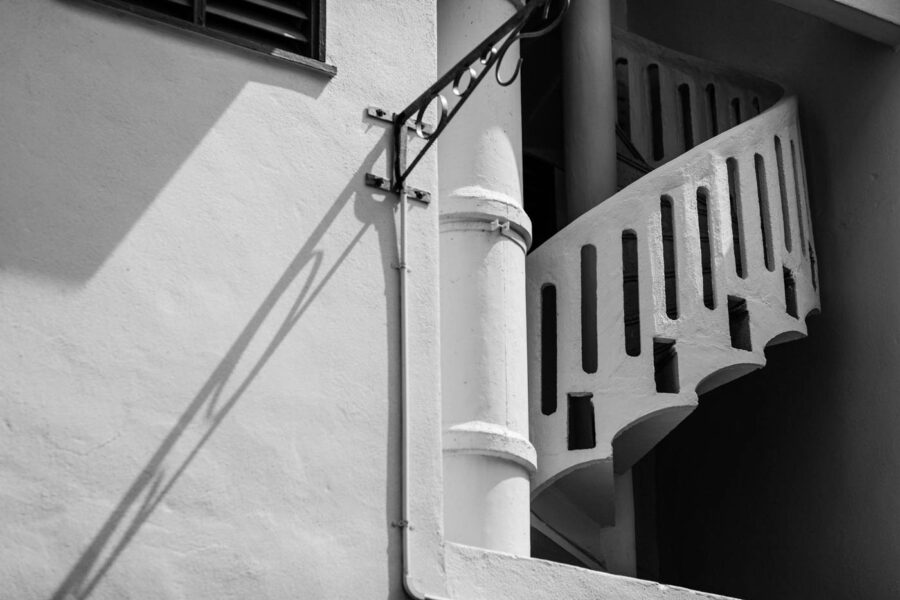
(449, 299)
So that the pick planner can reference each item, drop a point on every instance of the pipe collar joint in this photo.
(490, 439)
(480, 209)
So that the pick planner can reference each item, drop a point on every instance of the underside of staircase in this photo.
(675, 285)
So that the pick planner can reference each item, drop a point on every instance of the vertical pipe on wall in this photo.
(589, 106)
(488, 459)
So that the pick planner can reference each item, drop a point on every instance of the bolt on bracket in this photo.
(384, 184)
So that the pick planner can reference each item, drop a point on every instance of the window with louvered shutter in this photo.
(288, 29)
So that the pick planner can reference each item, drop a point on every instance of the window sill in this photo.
(299, 60)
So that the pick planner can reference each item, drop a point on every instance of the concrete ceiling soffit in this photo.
(875, 19)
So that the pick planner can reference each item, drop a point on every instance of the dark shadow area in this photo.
(546, 549)
(702, 519)
(631, 293)
(589, 355)
(665, 366)
(582, 433)
(549, 365)
(92, 136)
(212, 403)
(739, 324)
(543, 159)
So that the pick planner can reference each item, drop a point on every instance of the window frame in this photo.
(315, 63)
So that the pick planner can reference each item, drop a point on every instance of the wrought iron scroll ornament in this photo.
(462, 79)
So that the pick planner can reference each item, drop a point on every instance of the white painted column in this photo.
(589, 95)
(484, 235)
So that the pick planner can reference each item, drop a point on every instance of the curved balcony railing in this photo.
(671, 287)
(668, 102)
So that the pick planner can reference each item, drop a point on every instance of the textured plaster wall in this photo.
(198, 330)
(786, 484)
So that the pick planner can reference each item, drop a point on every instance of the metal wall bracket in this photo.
(383, 183)
(386, 185)
(388, 117)
(461, 79)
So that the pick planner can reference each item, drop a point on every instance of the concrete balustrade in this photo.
(709, 88)
(638, 399)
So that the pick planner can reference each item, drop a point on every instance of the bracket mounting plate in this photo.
(384, 184)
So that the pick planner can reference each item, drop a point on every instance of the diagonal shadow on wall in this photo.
(92, 134)
(212, 404)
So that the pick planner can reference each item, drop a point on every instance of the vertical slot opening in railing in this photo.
(656, 117)
(737, 220)
(812, 268)
(589, 308)
(623, 96)
(665, 366)
(765, 217)
(800, 217)
(667, 221)
(756, 107)
(713, 108)
(790, 293)
(709, 297)
(806, 195)
(630, 293)
(582, 431)
(735, 111)
(739, 323)
(687, 121)
(548, 349)
(782, 188)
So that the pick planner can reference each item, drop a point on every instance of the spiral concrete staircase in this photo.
(675, 285)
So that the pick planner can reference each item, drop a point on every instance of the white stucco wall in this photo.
(198, 330)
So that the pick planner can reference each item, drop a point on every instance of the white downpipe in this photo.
(404, 394)
(487, 457)
(406, 515)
